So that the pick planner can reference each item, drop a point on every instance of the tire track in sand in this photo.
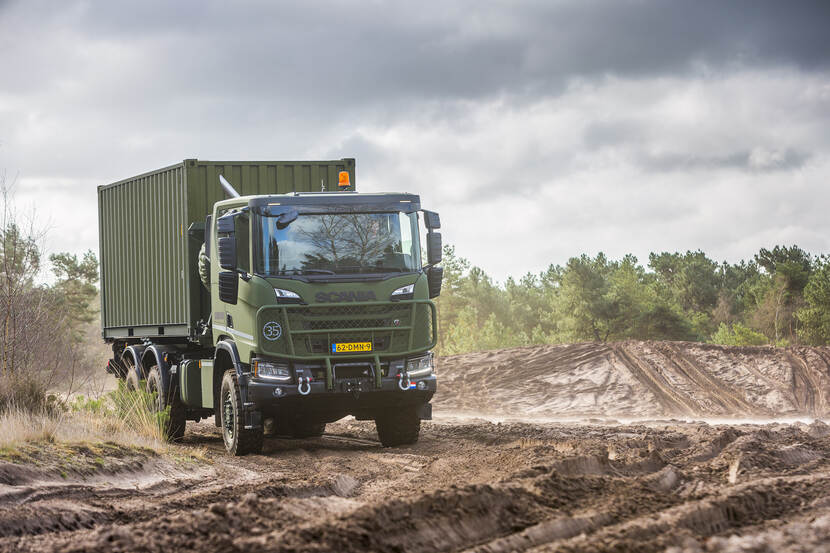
(717, 390)
(672, 401)
(805, 384)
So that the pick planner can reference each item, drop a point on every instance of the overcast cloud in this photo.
(539, 130)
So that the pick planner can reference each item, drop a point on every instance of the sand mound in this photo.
(638, 379)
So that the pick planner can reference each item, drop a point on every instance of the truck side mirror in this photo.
(208, 220)
(435, 276)
(227, 252)
(432, 220)
(228, 287)
(433, 248)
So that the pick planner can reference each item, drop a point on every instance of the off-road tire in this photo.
(176, 423)
(131, 379)
(238, 441)
(398, 426)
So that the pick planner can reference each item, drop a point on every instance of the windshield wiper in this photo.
(369, 269)
(304, 272)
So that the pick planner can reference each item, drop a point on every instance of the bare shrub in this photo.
(41, 326)
(21, 392)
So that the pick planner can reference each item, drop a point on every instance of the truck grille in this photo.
(391, 327)
(350, 317)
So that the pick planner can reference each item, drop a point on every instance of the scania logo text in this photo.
(337, 297)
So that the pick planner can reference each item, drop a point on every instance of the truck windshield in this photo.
(338, 243)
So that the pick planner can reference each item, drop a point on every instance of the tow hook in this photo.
(403, 381)
(307, 381)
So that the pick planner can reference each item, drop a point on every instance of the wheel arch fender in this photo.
(158, 355)
(226, 357)
(133, 355)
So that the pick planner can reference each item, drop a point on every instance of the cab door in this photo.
(233, 315)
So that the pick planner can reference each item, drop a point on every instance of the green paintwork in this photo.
(190, 380)
(350, 322)
(207, 383)
(151, 229)
(256, 299)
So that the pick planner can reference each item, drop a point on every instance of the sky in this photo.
(540, 130)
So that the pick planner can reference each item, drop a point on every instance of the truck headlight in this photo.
(404, 292)
(422, 366)
(287, 296)
(271, 371)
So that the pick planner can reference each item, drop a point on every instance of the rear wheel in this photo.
(175, 424)
(238, 440)
(132, 376)
(398, 426)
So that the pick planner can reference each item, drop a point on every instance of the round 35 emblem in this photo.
(272, 331)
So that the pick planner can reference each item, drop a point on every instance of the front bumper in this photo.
(347, 397)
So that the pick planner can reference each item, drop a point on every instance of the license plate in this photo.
(351, 347)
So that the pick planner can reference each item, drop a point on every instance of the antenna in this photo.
(229, 190)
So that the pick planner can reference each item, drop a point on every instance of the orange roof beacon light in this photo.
(343, 181)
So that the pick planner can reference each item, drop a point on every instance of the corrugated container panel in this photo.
(142, 266)
(148, 262)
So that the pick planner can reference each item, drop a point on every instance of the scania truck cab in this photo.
(319, 308)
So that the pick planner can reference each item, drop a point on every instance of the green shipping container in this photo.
(151, 228)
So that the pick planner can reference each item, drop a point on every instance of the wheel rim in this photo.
(227, 416)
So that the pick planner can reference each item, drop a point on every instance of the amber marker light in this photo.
(343, 181)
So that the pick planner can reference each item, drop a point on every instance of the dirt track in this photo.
(472, 485)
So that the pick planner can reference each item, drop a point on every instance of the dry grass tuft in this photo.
(124, 417)
(18, 426)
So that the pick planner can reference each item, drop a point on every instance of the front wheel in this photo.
(398, 426)
(238, 440)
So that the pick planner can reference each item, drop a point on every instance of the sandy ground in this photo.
(469, 484)
(639, 379)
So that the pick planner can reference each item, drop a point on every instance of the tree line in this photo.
(44, 327)
(779, 297)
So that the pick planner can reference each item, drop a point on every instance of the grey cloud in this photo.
(599, 134)
(340, 54)
(754, 161)
(94, 91)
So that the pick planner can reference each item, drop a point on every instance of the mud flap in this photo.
(425, 411)
(117, 369)
(253, 419)
(251, 415)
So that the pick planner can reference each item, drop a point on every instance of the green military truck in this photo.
(271, 292)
